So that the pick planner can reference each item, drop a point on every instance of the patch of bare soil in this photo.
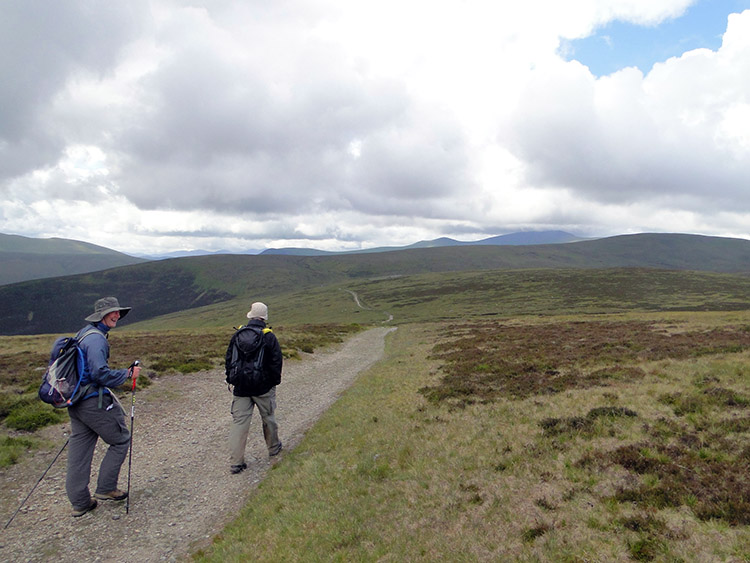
(182, 493)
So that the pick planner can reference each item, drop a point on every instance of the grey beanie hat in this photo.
(104, 307)
(258, 310)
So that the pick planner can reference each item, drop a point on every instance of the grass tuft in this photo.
(531, 534)
(32, 414)
(12, 449)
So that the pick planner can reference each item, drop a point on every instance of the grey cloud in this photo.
(400, 170)
(215, 136)
(237, 122)
(624, 152)
(41, 45)
(613, 169)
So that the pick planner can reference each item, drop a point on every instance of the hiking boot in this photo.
(276, 451)
(238, 468)
(112, 495)
(81, 511)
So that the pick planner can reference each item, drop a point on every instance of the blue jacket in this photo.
(96, 350)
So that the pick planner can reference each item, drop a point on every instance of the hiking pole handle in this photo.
(133, 365)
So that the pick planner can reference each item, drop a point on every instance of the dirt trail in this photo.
(181, 490)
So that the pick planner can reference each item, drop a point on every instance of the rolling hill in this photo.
(163, 287)
(512, 239)
(24, 258)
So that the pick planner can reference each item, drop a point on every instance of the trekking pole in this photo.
(132, 417)
(37, 483)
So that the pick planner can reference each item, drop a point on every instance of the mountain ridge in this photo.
(25, 258)
(158, 288)
(520, 238)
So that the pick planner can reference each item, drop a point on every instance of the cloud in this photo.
(43, 46)
(674, 136)
(216, 128)
(230, 124)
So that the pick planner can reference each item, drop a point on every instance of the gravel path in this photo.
(181, 490)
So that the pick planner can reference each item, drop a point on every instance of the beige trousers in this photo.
(242, 411)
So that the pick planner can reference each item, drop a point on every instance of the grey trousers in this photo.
(242, 411)
(89, 423)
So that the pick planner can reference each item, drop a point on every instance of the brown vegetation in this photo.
(697, 459)
(487, 361)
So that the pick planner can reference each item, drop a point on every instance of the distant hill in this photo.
(24, 258)
(160, 287)
(186, 253)
(530, 237)
(512, 239)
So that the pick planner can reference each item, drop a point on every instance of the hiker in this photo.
(98, 414)
(262, 394)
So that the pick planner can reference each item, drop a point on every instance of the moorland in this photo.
(566, 403)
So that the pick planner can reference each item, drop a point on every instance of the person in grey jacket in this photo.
(98, 414)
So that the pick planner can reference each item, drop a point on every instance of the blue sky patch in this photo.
(619, 44)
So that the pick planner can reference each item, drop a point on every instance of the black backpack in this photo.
(246, 365)
(62, 384)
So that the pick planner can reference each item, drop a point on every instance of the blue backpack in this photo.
(62, 384)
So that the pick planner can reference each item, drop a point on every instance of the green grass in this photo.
(510, 293)
(12, 449)
(485, 294)
(602, 471)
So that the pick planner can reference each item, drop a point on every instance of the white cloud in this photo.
(628, 138)
(230, 125)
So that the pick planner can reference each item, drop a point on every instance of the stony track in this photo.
(182, 493)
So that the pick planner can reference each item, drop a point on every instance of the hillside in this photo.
(159, 288)
(512, 239)
(24, 258)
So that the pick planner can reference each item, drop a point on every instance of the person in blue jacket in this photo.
(98, 414)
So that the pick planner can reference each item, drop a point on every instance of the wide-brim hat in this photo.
(104, 307)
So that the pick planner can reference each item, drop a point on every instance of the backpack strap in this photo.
(261, 353)
(92, 330)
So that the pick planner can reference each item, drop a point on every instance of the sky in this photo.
(157, 126)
